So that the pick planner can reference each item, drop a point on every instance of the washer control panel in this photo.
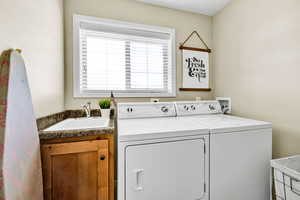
(198, 108)
(145, 110)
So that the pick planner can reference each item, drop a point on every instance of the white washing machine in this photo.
(240, 153)
(161, 156)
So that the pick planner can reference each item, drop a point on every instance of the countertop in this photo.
(50, 120)
(45, 135)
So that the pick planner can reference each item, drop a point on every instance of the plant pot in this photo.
(105, 113)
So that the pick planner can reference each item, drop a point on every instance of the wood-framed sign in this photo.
(195, 67)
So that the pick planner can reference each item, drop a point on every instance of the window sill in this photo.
(122, 95)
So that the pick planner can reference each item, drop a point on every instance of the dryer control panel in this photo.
(197, 108)
(146, 109)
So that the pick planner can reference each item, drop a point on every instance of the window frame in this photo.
(77, 93)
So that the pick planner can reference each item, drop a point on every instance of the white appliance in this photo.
(241, 150)
(190, 151)
(162, 157)
(240, 153)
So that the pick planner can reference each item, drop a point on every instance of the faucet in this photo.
(87, 109)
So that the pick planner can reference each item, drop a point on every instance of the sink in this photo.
(79, 123)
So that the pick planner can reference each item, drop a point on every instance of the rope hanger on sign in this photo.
(193, 48)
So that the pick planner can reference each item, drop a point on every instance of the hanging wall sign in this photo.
(195, 67)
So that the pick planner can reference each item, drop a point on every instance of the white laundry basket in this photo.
(287, 178)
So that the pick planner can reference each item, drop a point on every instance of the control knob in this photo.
(165, 109)
(186, 108)
(193, 107)
(129, 110)
(212, 107)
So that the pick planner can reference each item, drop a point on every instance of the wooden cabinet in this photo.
(77, 170)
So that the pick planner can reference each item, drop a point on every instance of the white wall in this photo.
(257, 64)
(136, 12)
(36, 27)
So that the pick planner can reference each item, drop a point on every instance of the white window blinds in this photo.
(127, 61)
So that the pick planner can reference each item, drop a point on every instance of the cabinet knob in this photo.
(102, 157)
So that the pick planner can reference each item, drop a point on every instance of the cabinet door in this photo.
(166, 171)
(76, 171)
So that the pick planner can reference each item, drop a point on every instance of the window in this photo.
(132, 60)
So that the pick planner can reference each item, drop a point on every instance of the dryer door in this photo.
(168, 170)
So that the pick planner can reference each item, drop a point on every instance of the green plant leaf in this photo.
(105, 103)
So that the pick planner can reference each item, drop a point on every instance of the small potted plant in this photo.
(105, 107)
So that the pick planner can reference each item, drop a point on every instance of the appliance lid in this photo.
(225, 123)
(154, 128)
